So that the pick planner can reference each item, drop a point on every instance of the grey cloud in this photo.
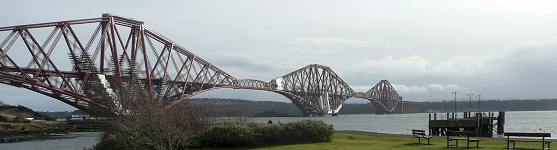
(416, 46)
(521, 72)
(254, 67)
(247, 65)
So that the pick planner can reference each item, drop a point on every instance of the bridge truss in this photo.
(101, 65)
(121, 61)
(320, 89)
(383, 96)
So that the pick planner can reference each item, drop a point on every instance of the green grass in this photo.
(346, 140)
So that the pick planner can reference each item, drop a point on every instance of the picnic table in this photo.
(462, 136)
(535, 138)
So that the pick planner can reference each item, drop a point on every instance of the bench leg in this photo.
(428, 142)
(449, 143)
(419, 141)
(508, 142)
(467, 144)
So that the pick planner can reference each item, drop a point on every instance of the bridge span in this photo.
(121, 61)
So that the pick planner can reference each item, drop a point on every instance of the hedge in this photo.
(256, 134)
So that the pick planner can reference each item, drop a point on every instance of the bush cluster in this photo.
(4, 118)
(154, 127)
(254, 134)
(20, 120)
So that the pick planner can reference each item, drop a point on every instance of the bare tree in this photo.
(150, 124)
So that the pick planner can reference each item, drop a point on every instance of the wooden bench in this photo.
(420, 134)
(523, 134)
(461, 136)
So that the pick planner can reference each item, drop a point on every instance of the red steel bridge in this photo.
(120, 62)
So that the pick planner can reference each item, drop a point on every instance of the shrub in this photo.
(253, 134)
(4, 118)
(154, 127)
(228, 135)
(270, 133)
(307, 131)
(20, 120)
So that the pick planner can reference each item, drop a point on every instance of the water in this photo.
(523, 121)
(82, 141)
(518, 121)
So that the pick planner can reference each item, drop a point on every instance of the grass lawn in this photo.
(352, 140)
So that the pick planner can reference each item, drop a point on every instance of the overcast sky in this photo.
(502, 49)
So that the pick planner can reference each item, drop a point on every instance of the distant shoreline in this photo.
(24, 136)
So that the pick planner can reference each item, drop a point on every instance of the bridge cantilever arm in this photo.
(50, 24)
(186, 52)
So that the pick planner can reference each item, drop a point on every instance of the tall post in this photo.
(470, 102)
(479, 97)
(501, 123)
(454, 112)
(428, 124)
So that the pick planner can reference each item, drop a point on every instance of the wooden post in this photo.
(491, 123)
(478, 128)
(501, 123)
(429, 124)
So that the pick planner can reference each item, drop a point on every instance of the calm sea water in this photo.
(519, 121)
(83, 140)
(524, 121)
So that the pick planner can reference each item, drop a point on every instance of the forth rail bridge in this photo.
(122, 60)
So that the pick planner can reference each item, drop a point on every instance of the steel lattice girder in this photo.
(255, 84)
(121, 61)
(317, 86)
(108, 68)
(383, 96)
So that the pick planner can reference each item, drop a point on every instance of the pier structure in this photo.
(483, 124)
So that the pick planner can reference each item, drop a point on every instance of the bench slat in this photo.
(460, 133)
(529, 140)
(525, 134)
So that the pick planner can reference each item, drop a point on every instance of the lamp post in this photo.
(454, 112)
(479, 97)
(470, 101)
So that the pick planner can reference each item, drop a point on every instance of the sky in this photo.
(501, 49)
